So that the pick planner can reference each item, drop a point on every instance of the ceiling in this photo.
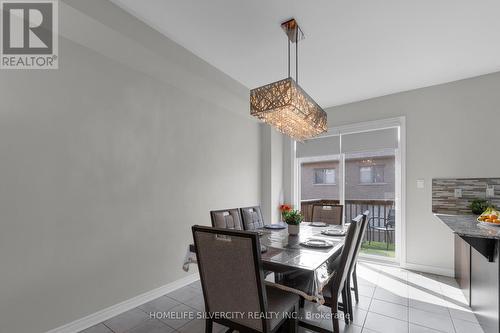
(353, 50)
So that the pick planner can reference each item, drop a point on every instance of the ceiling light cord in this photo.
(297, 55)
(288, 40)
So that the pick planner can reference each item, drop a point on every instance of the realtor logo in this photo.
(29, 34)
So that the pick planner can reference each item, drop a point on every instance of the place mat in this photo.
(318, 224)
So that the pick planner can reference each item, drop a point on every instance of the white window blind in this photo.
(319, 147)
(370, 141)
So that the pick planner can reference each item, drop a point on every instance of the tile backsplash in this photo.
(443, 193)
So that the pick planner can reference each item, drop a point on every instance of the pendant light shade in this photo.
(287, 107)
(284, 104)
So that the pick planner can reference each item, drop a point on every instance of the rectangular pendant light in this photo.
(284, 104)
(288, 108)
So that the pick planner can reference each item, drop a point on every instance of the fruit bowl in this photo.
(490, 216)
(497, 224)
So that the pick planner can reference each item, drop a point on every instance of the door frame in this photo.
(400, 184)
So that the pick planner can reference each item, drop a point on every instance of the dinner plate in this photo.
(333, 232)
(275, 226)
(318, 243)
(318, 224)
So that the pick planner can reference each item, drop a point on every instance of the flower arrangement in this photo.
(291, 216)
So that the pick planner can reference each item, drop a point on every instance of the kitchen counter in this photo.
(477, 266)
(466, 225)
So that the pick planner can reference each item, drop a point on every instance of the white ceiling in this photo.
(353, 50)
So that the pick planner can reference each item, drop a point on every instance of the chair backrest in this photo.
(391, 218)
(226, 219)
(252, 218)
(330, 214)
(347, 255)
(359, 240)
(231, 274)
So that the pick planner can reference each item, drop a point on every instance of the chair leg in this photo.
(335, 316)
(351, 311)
(349, 300)
(302, 302)
(293, 323)
(208, 326)
(387, 239)
(345, 303)
(355, 283)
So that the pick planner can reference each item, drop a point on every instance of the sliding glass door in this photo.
(320, 173)
(370, 186)
(361, 171)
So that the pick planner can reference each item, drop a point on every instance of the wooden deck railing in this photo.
(377, 208)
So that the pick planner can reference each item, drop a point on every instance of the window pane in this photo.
(324, 176)
(319, 181)
(378, 176)
(365, 175)
(329, 176)
(319, 176)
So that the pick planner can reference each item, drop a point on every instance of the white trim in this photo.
(402, 188)
(430, 269)
(114, 310)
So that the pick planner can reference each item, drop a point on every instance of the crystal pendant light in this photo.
(284, 104)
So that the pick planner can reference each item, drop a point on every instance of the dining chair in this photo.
(232, 281)
(352, 269)
(329, 214)
(252, 218)
(338, 285)
(226, 219)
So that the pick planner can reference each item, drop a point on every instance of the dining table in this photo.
(289, 256)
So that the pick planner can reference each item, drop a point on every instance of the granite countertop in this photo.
(466, 225)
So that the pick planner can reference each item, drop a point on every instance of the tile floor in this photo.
(392, 300)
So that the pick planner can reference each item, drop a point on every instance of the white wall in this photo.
(107, 162)
(451, 132)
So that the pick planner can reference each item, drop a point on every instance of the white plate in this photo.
(318, 224)
(333, 232)
(319, 243)
(275, 226)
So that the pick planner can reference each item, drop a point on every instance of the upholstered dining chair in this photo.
(232, 281)
(338, 285)
(252, 218)
(352, 269)
(329, 214)
(227, 219)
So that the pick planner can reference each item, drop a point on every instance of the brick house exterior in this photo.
(378, 184)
